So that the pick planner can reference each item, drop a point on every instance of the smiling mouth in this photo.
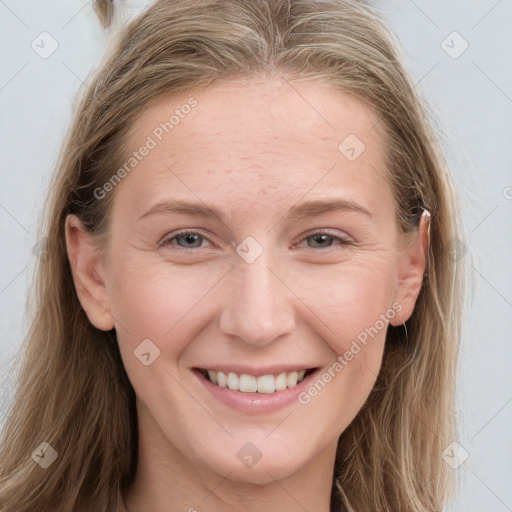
(251, 384)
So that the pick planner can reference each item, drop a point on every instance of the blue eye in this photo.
(320, 239)
(324, 239)
(191, 239)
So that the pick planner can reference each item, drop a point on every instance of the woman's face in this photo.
(253, 241)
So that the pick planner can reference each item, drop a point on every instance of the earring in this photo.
(427, 213)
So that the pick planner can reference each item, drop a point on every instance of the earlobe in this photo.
(87, 269)
(412, 269)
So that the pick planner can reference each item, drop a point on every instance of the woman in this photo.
(249, 299)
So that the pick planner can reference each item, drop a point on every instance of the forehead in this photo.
(244, 110)
(245, 139)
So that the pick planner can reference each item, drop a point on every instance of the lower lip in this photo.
(256, 403)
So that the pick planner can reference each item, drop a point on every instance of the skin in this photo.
(251, 149)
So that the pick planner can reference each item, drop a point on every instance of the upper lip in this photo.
(257, 371)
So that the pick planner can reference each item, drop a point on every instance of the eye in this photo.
(324, 239)
(189, 239)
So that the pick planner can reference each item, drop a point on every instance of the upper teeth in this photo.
(251, 384)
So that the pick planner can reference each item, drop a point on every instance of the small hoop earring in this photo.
(427, 214)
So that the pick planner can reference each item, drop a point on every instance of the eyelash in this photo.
(343, 241)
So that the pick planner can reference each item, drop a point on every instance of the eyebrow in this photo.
(299, 211)
(317, 207)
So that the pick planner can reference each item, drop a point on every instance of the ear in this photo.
(411, 270)
(88, 270)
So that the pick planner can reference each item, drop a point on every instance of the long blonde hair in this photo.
(72, 390)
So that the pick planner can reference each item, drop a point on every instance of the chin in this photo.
(248, 464)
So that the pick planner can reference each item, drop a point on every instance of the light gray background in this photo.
(472, 95)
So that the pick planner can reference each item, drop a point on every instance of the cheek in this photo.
(160, 302)
(352, 300)
(353, 315)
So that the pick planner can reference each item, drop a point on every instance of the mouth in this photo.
(264, 384)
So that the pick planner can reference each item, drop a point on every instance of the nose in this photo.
(258, 307)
